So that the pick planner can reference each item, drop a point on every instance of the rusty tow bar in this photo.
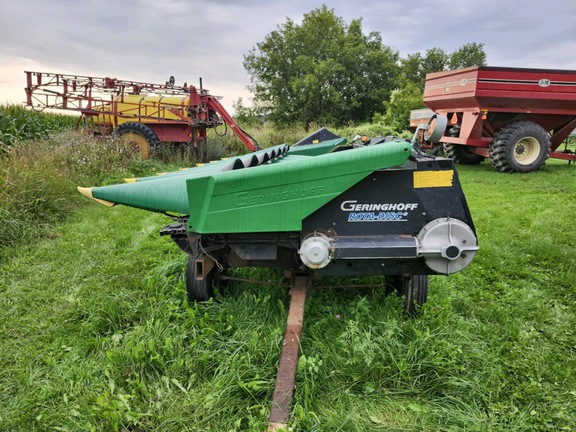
(284, 389)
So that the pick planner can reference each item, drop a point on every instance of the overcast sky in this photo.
(149, 40)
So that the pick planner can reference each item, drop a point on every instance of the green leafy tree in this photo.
(246, 116)
(401, 102)
(436, 60)
(416, 66)
(321, 71)
(412, 68)
(468, 55)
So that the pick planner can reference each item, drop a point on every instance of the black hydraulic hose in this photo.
(225, 130)
(257, 147)
(251, 138)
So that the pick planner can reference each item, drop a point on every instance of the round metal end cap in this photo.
(315, 251)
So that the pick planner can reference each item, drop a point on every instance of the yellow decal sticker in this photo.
(429, 179)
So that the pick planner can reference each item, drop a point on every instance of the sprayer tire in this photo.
(139, 137)
(519, 147)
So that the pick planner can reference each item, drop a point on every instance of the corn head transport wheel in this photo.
(139, 138)
(200, 280)
(519, 147)
(413, 288)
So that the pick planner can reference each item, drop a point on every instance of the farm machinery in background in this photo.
(517, 118)
(144, 114)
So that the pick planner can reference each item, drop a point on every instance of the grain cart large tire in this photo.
(139, 137)
(461, 154)
(520, 147)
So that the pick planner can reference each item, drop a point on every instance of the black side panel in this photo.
(394, 201)
(398, 201)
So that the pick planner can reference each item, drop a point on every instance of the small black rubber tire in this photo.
(199, 290)
(520, 147)
(413, 288)
(461, 154)
(143, 138)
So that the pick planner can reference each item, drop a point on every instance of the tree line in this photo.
(325, 71)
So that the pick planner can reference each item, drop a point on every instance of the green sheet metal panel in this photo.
(270, 197)
(276, 197)
(167, 193)
(317, 149)
(162, 194)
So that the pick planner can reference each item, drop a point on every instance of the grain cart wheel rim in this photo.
(526, 150)
(520, 147)
(199, 283)
(139, 137)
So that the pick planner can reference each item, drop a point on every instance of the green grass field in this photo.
(96, 333)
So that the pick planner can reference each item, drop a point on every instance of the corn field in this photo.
(19, 124)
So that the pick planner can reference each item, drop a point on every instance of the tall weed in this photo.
(38, 179)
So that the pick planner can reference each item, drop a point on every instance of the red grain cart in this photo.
(515, 117)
